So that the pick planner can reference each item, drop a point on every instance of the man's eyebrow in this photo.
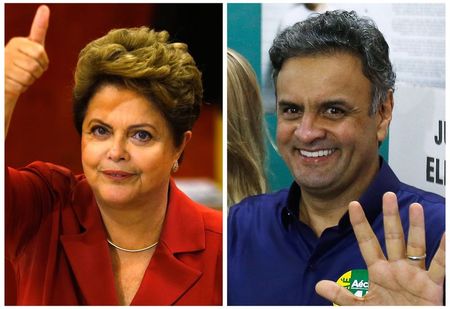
(326, 103)
(287, 103)
(341, 102)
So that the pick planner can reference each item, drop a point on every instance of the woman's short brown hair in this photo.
(142, 60)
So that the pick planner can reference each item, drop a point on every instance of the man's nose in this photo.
(309, 129)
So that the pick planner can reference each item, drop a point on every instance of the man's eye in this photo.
(142, 136)
(334, 112)
(290, 110)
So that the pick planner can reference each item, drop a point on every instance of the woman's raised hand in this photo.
(25, 61)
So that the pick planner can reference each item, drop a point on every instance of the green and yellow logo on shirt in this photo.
(356, 281)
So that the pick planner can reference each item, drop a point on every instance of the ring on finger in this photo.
(416, 257)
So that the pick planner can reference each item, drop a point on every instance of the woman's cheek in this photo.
(91, 154)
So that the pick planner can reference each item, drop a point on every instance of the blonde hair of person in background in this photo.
(246, 127)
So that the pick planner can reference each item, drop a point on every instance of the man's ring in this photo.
(416, 258)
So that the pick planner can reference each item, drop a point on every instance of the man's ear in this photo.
(384, 115)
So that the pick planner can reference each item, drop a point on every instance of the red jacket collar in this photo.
(183, 229)
(86, 248)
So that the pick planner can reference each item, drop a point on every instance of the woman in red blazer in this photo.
(122, 233)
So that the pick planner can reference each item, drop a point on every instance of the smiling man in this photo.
(338, 232)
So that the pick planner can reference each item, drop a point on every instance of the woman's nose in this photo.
(118, 150)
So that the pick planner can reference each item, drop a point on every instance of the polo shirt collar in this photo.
(371, 200)
(290, 213)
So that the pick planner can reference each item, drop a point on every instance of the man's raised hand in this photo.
(401, 277)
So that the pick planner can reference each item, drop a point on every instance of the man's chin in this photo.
(315, 184)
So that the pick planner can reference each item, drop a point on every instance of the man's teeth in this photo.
(316, 154)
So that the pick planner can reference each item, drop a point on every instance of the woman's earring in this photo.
(175, 167)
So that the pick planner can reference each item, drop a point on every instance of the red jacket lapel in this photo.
(87, 249)
(91, 265)
(167, 278)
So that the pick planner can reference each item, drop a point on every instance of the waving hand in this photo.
(400, 279)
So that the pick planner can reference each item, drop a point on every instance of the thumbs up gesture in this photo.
(40, 25)
(25, 60)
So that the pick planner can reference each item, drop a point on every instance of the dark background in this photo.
(42, 129)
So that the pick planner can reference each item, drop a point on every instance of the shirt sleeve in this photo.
(30, 195)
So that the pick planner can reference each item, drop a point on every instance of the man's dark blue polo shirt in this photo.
(274, 259)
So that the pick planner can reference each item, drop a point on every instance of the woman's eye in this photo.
(99, 131)
(142, 136)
